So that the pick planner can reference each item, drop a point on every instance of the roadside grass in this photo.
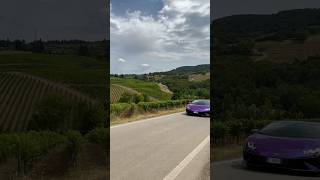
(226, 152)
(122, 120)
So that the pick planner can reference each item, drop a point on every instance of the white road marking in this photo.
(177, 170)
(141, 121)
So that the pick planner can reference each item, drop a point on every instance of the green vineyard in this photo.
(133, 86)
(116, 92)
(20, 93)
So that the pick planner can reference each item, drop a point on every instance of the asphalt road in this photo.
(171, 147)
(235, 170)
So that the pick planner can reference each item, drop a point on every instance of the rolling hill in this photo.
(116, 91)
(131, 85)
(19, 95)
(279, 37)
(186, 82)
(84, 74)
(186, 70)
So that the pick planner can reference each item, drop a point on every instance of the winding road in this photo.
(171, 147)
(235, 170)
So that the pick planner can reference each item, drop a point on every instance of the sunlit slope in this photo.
(116, 91)
(130, 85)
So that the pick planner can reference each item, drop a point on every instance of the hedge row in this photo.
(128, 109)
(234, 131)
(31, 146)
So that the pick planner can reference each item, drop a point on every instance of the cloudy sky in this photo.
(158, 35)
(223, 8)
(53, 19)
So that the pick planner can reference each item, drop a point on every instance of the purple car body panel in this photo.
(284, 151)
(281, 147)
(198, 108)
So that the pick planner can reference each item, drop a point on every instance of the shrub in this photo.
(127, 109)
(55, 113)
(219, 131)
(27, 147)
(87, 117)
(74, 140)
(99, 136)
(51, 113)
(131, 98)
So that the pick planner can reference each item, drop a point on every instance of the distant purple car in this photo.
(291, 145)
(199, 107)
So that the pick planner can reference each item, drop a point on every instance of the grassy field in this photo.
(81, 73)
(149, 88)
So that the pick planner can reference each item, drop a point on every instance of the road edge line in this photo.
(144, 120)
(185, 162)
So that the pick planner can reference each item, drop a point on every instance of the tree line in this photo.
(266, 90)
(74, 47)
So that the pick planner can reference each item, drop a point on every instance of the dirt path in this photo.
(164, 88)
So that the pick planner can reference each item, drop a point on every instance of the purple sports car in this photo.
(199, 107)
(291, 145)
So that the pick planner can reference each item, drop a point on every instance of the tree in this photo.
(19, 45)
(83, 50)
(38, 46)
(56, 113)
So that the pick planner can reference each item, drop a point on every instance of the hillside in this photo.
(80, 73)
(287, 51)
(19, 95)
(267, 66)
(130, 85)
(283, 25)
(186, 70)
(186, 82)
(263, 35)
(199, 77)
(116, 91)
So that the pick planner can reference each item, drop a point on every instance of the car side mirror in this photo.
(253, 131)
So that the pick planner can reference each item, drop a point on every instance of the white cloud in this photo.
(145, 65)
(178, 36)
(121, 60)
